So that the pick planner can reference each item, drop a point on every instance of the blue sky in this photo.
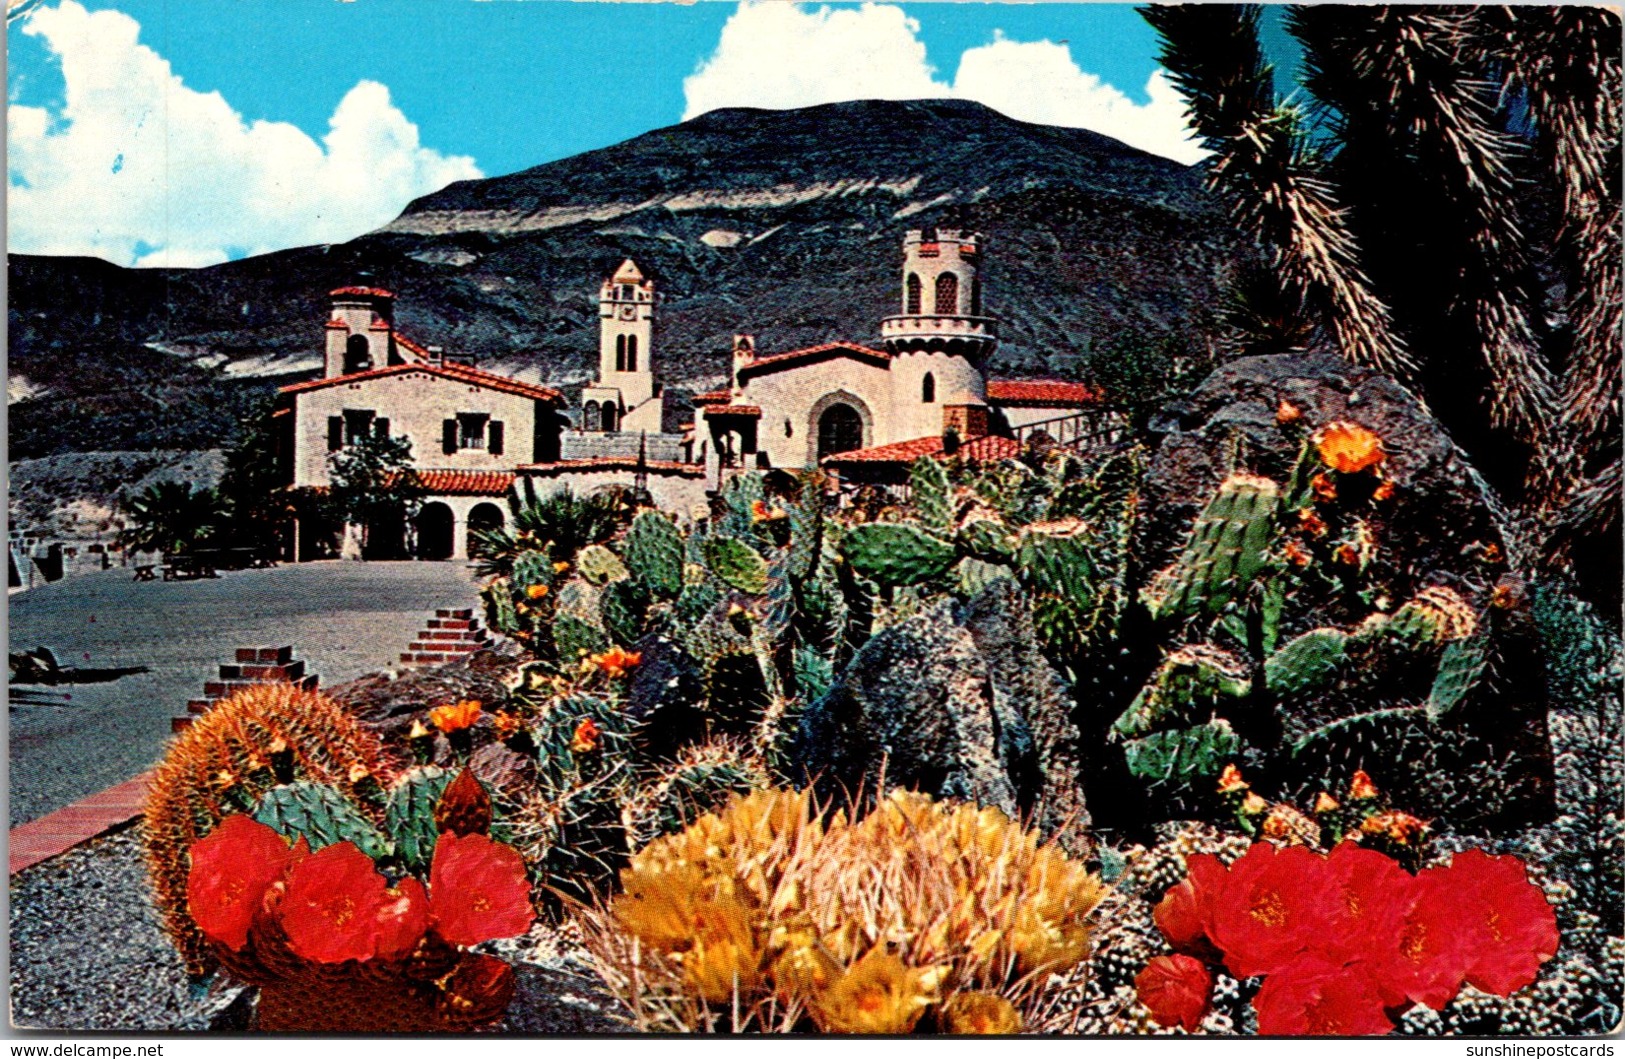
(191, 131)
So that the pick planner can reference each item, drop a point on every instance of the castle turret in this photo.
(360, 331)
(940, 340)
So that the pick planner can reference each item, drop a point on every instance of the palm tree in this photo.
(1444, 205)
(561, 524)
(169, 517)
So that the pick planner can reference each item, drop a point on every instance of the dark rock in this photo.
(1443, 526)
(1031, 705)
(504, 770)
(955, 705)
(663, 697)
(389, 704)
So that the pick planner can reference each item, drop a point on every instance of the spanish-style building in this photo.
(863, 412)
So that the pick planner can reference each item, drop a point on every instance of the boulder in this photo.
(957, 704)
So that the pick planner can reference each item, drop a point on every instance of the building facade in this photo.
(863, 411)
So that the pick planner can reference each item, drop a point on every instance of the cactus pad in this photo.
(654, 554)
(894, 553)
(321, 815)
(736, 564)
(409, 816)
(599, 565)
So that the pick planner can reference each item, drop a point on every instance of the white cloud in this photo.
(139, 169)
(777, 55)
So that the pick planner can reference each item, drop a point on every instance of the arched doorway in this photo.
(357, 354)
(485, 517)
(434, 524)
(840, 429)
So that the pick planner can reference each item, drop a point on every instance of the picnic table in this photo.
(187, 567)
(144, 571)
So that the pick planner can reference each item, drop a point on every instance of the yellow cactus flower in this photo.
(1400, 828)
(1230, 780)
(535, 591)
(980, 1014)
(1325, 803)
(878, 994)
(1253, 805)
(1349, 448)
(1360, 786)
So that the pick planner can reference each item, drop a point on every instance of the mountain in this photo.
(783, 224)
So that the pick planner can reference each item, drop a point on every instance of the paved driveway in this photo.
(345, 619)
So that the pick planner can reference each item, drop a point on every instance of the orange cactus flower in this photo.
(455, 716)
(1324, 488)
(1347, 554)
(1402, 829)
(1287, 412)
(1253, 805)
(758, 511)
(1349, 448)
(1360, 787)
(1230, 780)
(1295, 553)
(1385, 491)
(560, 567)
(615, 662)
(1325, 803)
(535, 591)
(508, 724)
(1312, 523)
(586, 737)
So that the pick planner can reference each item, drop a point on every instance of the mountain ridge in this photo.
(784, 224)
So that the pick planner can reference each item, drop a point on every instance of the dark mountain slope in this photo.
(786, 224)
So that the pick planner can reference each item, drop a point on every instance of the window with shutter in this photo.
(335, 433)
(448, 436)
(493, 443)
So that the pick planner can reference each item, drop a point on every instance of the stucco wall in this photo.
(416, 404)
(794, 393)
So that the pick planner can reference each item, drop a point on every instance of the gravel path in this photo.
(87, 953)
(343, 619)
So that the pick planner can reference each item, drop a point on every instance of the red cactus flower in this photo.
(1316, 997)
(1177, 989)
(584, 740)
(1270, 908)
(478, 890)
(403, 918)
(231, 870)
(1430, 960)
(334, 909)
(1369, 896)
(1511, 928)
(1182, 914)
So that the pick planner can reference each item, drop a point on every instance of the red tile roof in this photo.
(411, 346)
(713, 397)
(1042, 393)
(613, 463)
(466, 483)
(984, 448)
(827, 351)
(731, 410)
(362, 292)
(454, 372)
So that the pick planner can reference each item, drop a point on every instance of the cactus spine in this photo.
(895, 554)
(321, 815)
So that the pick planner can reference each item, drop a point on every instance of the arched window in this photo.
(609, 416)
(911, 303)
(589, 416)
(928, 388)
(620, 352)
(840, 429)
(357, 354)
(947, 302)
(631, 352)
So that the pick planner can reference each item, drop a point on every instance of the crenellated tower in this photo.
(941, 339)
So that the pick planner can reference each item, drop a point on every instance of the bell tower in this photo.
(626, 315)
(360, 331)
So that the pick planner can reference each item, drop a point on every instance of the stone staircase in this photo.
(451, 634)
(253, 665)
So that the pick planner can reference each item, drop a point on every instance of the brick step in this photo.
(453, 623)
(181, 723)
(277, 656)
(219, 689)
(464, 635)
(444, 647)
(462, 613)
(265, 673)
(200, 705)
(415, 658)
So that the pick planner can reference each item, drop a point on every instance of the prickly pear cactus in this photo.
(530, 570)
(409, 816)
(1227, 549)
(623, 609)
(736, 564)
(599, 565)
(1189, 681)
(895, 553)
(1307, 663)
(654, 554)
(931, 494)
(987, 540)
(321, 815)
(574, 638)
(1460, 669)
(1183, 755)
